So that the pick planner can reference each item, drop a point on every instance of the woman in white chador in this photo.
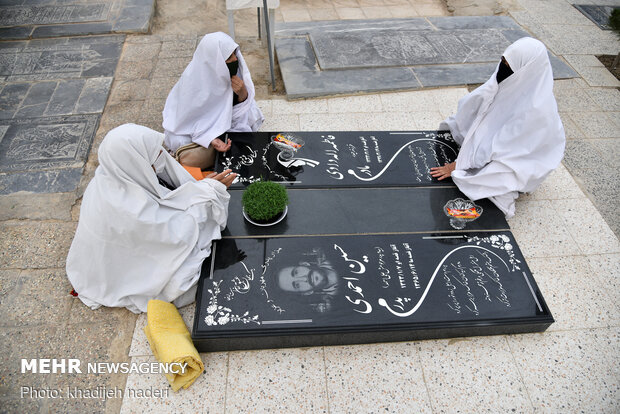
(145, 224)
(214, 95)
(509, 129)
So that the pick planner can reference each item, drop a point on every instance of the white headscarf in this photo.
(511, 135)
(199, 107)
(136, 240)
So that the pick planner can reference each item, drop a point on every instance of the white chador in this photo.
(200, 106)
(510, 133)
(137, 240)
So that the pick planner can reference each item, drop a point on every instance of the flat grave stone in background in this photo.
(598, 14)
(341, 159)
(51, 98)
(335, 290)
(337, 57)
(42, 147)
(54, 18)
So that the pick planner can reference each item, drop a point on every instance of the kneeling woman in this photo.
(509, 130)
(214, 95)
(145, 224)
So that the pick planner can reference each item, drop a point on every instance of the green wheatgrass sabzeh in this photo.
(264, 200)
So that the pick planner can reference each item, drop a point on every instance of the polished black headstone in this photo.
(342, 159)
(366, 210)
(333, 290)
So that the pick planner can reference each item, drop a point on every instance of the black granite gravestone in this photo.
(366, 211)
(341, 159)
(392, 256)
(334, 290)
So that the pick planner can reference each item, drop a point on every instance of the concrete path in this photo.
(572, 252)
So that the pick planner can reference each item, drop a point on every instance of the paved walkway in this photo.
(572, 252)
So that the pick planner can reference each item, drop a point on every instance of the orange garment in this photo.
(196, 172)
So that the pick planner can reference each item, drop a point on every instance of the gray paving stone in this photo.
(35, 15)
(602, 186)
(560, 69)
(610, 152)
(65, 97)
(53, 18)
(296, 54)
(138, 2)
(40, 93)
(33, 343)
(39, 153)
(170, 67)
(307, 84)
(35, 245)
(35, 206)
(60, 58)
(39, 297)
(11, 97)
(580, 154)
(445, 75)
(10, 33)
(139, 51)
(51, 181)
(474, 22)
(134, 19)
(108, 50)
(304, 28)
(71, 30)
(94, 95)
(178, 48)
(35, 103)
(129, 70)
(32, 144)
(406, 48)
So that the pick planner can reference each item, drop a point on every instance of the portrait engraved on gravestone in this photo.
(371, 280)
(312, 280)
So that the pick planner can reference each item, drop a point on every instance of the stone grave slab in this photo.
(341, 159)
(335, 290)
(42, 143)
(598, 14)
(367, 210)
(51, 98)
(31, 148)
(55, 18)
(55, 59)
(377, 48)
(336, 57)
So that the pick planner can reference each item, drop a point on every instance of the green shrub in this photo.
(264, 200)
(614, 20)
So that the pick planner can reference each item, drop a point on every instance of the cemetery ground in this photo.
(567, 231)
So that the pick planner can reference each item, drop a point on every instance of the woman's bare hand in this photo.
(226, 177)
(443, 172)
(239, 88)
(220, 146)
